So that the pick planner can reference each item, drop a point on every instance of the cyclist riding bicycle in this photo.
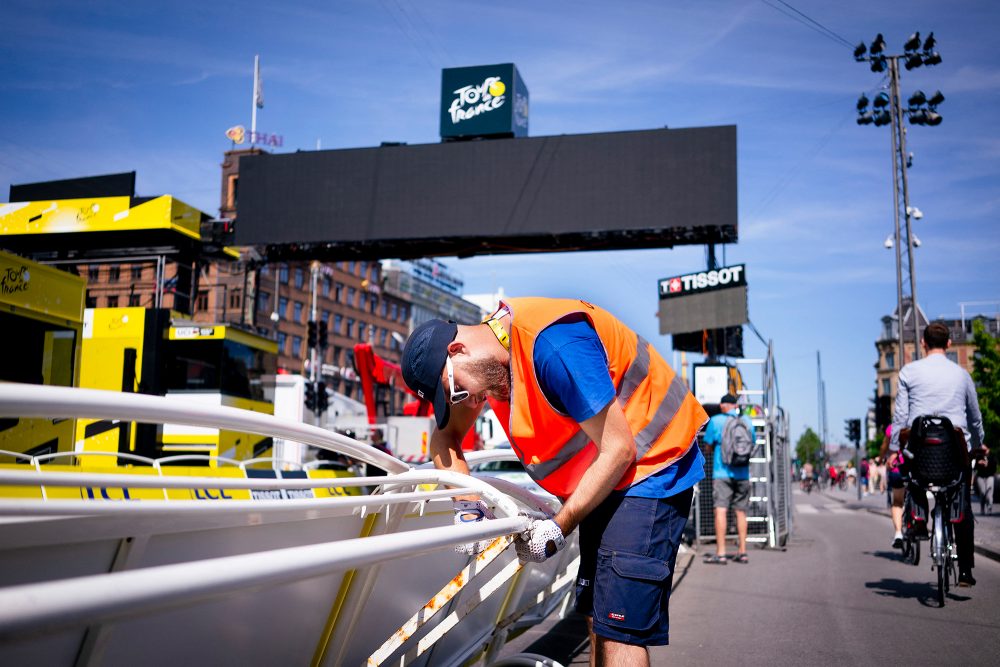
(935, 385)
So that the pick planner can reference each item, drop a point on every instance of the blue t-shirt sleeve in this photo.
(572, 369)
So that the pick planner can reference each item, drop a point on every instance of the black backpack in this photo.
(737, 442)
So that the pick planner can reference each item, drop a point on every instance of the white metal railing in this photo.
(52, 606)
(58, 605)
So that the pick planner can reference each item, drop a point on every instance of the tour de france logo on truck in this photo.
(470, 101)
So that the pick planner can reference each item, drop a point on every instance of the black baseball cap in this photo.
(423, 358)
(729, 398)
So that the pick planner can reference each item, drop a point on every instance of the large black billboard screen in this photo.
(649, 188)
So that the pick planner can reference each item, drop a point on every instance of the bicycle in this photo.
(936, 465)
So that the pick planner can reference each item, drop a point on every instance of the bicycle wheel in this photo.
(940, 555)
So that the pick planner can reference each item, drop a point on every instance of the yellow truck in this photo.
(41, 322)
(152, 351)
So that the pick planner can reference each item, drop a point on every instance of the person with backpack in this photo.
(731, 436)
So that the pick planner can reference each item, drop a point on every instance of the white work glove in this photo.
(542, 540)
(471, 511)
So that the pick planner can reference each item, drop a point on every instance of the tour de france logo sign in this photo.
(482, 101)
(470, 101)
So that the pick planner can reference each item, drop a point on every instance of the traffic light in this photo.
(323, 335)
(852, 428)
(311, 333)
(310, 397)
(322, 399)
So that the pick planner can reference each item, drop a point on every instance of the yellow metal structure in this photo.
(41, 319)
(124, 492)
(99, 214)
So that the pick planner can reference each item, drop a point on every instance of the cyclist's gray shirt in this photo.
(935, 385)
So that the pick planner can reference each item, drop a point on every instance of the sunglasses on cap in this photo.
(456, 396)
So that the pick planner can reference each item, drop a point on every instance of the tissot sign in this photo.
(483, 101)
(703, 281)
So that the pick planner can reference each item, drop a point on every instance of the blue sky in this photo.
(96, 87)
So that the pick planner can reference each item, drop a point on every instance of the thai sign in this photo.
(483, 101)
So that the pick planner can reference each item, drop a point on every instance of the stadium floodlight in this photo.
(877, 46)
(887, 109)
(916, 241)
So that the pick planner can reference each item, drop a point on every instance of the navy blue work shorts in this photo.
(628, 548)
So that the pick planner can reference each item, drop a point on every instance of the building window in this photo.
(364, 301)
(362, 331)
(890, 359)
(297, 311)
(350, 327)
(886, 387)
(112, 301)
(262, 299)
(351, 293)
(350, 267)
(136, 272)
(385, 308)
(325, 317)
(232, 191)
(93, 272)
(403, 314)
(282, 305)
(327, 284)
(114, 273)
(382, 337)
(338, 319)
(282, 336)
(296, 346)
(394, 310)
(300, 278)
(283, 273)
(338, 292)
(133, 300)
(91, 301)
(235, 299)
(202, 302)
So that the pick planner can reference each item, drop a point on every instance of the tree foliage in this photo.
(808, 447)
(986, 373)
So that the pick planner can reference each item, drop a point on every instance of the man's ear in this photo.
(457, 347)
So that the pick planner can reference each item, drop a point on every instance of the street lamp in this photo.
(887, 109)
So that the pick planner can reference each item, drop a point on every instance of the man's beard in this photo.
(496, 377)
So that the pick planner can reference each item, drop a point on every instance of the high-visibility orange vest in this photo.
(663, 415)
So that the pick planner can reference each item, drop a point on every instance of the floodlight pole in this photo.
(898, 127)
(896, 159)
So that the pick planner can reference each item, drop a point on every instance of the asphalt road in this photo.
(837, 595)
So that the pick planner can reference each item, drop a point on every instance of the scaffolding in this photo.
(769, 517)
